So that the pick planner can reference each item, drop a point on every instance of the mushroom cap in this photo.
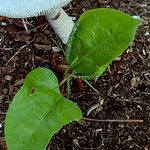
(29, 8)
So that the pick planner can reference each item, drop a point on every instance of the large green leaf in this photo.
(98, 37)
(37, 112)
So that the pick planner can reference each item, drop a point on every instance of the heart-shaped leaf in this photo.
(37, 112)
(98, 37)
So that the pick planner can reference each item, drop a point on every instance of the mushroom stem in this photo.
(61, 23)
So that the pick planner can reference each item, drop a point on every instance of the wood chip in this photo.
(75, 142)
(8, 70)
(42, 47)
(94, 107)
(19, 82)
(56, 49)
(135, 81)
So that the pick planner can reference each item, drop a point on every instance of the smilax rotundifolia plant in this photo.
(39, 110)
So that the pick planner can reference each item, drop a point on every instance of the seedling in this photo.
(38, 110)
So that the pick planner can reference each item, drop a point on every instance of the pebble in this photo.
(8, 77)
(3, 24)
(75, 142)
(135, 81)
(147, 33)
(136, 17)
(118, 58)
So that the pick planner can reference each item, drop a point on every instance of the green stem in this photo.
(60, 45)
(68, 86)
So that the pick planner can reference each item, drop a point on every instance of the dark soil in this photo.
(124, 87)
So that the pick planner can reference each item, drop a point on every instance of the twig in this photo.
(118, 67)
(32, 58)
(29, 31)
(146, 93)
(92, 108)
(91, 87)
(5, 48)
(21, 48)
(25, 26)
(132, 101)
(62, 82)
(111, 120)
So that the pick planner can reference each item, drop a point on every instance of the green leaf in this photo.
(98, 37)
(37, 112)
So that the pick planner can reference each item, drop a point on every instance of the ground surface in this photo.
(124, 87)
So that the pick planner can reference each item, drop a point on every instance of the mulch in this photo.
(124, 88)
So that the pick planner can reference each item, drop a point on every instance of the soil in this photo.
(124, 88)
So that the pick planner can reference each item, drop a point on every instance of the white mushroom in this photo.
(56, 16)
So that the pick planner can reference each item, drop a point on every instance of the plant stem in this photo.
(68, 86)
(60, 45)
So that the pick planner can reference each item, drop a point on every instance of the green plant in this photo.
(38, 110)
(99, 37)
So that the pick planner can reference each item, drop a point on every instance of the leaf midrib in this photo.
(41, 119)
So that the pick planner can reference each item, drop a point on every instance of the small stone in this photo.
(147, 33)
(131, 146)
(99, 109)
(118, 58)
(0, 125)
(83, 9)
(129, 138)
(8, 77)
(75, 142)
(136, 17)
(3, 24)
(135, 81)
(64, 131)
(144, 53)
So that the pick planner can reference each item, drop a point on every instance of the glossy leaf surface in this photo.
(37, 112)
(99, 36)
